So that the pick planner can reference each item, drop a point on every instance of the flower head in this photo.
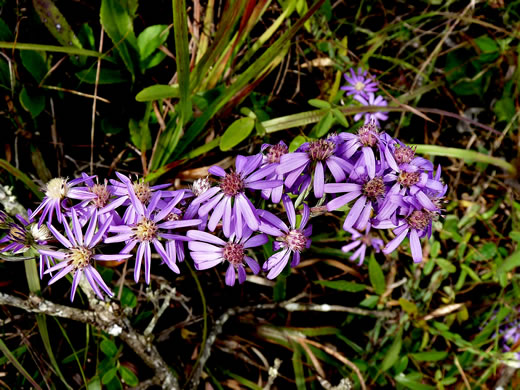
(80, 254)
(359, 83)
(150, 226)
(372, 100)
(290, 240)
(228, 202)
(208, 250)
(360, 242)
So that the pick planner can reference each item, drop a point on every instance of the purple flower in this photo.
(361, 242)
(291, 240)
(228, 200)
(360, 83)
(417, 224)
(149, 227)
(80, 254)
(369, 194)
(103, 201)
(141, 189)
(272, 158)
(313, 156)
(56, 190)
(372, 100)
(208, 250)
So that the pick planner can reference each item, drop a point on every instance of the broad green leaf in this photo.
(510, 263)
(94, 384)
(296, 143)
(446, 265)
(35, 63)
(393, 352)
(109, 348)
(106, 76)
(323, 126)
(505, 109)
(128, 298)
(340, 117)
(128, 377)
(109, 375)
(150, 39)
(118, 24)
(429, 356)
(140, 134)
(407, 306)
(33, 103)
(5, 32)
(342, 285)
(238, 131)
(56, 23)
(377, 278)
(156, 92)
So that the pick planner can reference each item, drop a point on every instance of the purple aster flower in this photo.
(56, 190)
(360, 83)
(142, 190)
(369, 194)
(367, 139)
(228, 199)
(511, 339)
(5, 220)
(104, 201)
(272, 158)
(372, 100)
(151, 225)
(208, 250)
(80, 254)
(361, 242)
(417, 224)
(290, 241)
(313, 155)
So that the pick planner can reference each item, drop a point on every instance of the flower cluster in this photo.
(363, 89)
(224, 218)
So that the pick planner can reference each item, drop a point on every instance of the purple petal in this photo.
(349, 247)
(241, 274)
(53, 254)
(354, 212)
(198, 246)
(102, 257)
(296, 259)
(206, 195)
(75, 282)
(92, 282)
(289, 209)
(342, 200)
(206, 208)
(202, 265)
(370, 161)
(138, 261)
(415, 245)
(336, 188)
(179, 224)
(273, 220)
(77, 228)
(305, 216)
(59, 236)
(99, 280)
(64, 271)
(335, 169)
(292, 161)
(319, 180)
(217, 171)
(230, 275)
(248, 211)
(275, 271)
(206, 256)
(226, 219)
(90, 229)
(240, 163)
(147, 261)
(217, 215)
(138, 205)
(264, 184)
(207, 237)
(253, 264)
(259, 239)
(392, 245)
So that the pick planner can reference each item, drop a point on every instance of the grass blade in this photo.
(17, 364)
(180, 30)
(22, 177)
(71, 50)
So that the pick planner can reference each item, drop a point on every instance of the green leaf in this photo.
(446, 265)
(128, 298)
(319, 103)
(407, 306)
(393, 352)
(342, 285)
(340, 117)
(32, 103)
(510, 263)
(299, 376)
(505, 109)
(429, 356)
(128, 377)
(150, 39)
(109, 348)
(323, 126)
(118, 24)
(109, 375)
(17, 364)
(51, 48)
(140, 134)
(412, 384)
(106, 76)
(5, 32)
(56, 23)
(297, 141)
(22, 177)
(35, 63)
(94, 384)
(238, 131)
(377, 278)
(156, 92)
